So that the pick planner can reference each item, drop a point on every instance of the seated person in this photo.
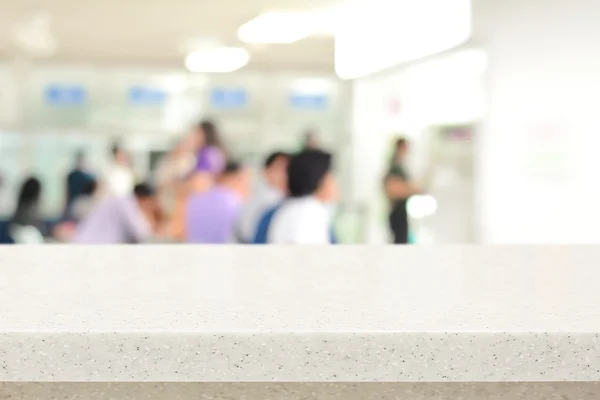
(27, 224)
(305, 217)
(211, 216)
(269, 191)
(116, 220)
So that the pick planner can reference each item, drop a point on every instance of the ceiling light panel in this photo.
(217, 60)
(392, 32)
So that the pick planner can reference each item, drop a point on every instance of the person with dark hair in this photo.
(211, 154)
(211, 216)
(27, 212)
(399, 189)
(77, 180)
(305, 217)
(84, 203)
(120, 220)
(310, 140)
(119, 179)
(270, 190)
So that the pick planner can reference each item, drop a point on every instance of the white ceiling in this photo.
(151, 31)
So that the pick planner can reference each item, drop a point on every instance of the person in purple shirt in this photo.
(120, 220)
(210, 157)
(211, 216)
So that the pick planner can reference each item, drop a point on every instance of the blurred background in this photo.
(495, 99)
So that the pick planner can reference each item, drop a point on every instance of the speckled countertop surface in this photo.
(299, 314)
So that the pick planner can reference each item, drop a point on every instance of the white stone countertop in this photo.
(299, 314)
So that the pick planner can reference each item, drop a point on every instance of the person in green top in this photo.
(399, 188)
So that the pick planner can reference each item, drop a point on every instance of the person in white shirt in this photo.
(270, 190)
(305, 217)
(119, 179)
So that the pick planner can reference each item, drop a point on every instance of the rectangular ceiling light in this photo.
(278, 27)
(392, 32)
(217, 60)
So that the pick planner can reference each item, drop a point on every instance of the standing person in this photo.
(119, 179)
(28, 210)
(212, 216)
(399, 189)
(209, 162)
(76, 182)
(171, 173)
(271, 188)
(121, 220)
(305, 217)
(311, 141)
(211, 154)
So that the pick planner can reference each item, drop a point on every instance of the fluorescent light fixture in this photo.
(393, 32)
(217, 60)
(278, 27)
(35, 37)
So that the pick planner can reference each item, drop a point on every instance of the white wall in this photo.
(8, 95)
(539, 154)
(538, 151)
(405, 101)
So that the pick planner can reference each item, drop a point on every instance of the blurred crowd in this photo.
(197, 194)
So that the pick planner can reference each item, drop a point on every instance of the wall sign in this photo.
(144, 96)
(228, 98)
(65, 95)
(394, 107)
(312, 102)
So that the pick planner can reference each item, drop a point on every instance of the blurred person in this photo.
(211, 153)
(119, 179)
(399, 189)
(120, 220)
(28, 210)
(172, 171)
(211, 217)
(76, 182)
(306, 217)
(65, 230)
(310, 141)
(85, 202)
(174, 227)
(270, 190)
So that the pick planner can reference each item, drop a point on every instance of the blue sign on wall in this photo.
(143, 96)
(65, 95)
(312, 102)
(228, 98)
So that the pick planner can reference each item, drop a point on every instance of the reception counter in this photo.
(178, 322)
